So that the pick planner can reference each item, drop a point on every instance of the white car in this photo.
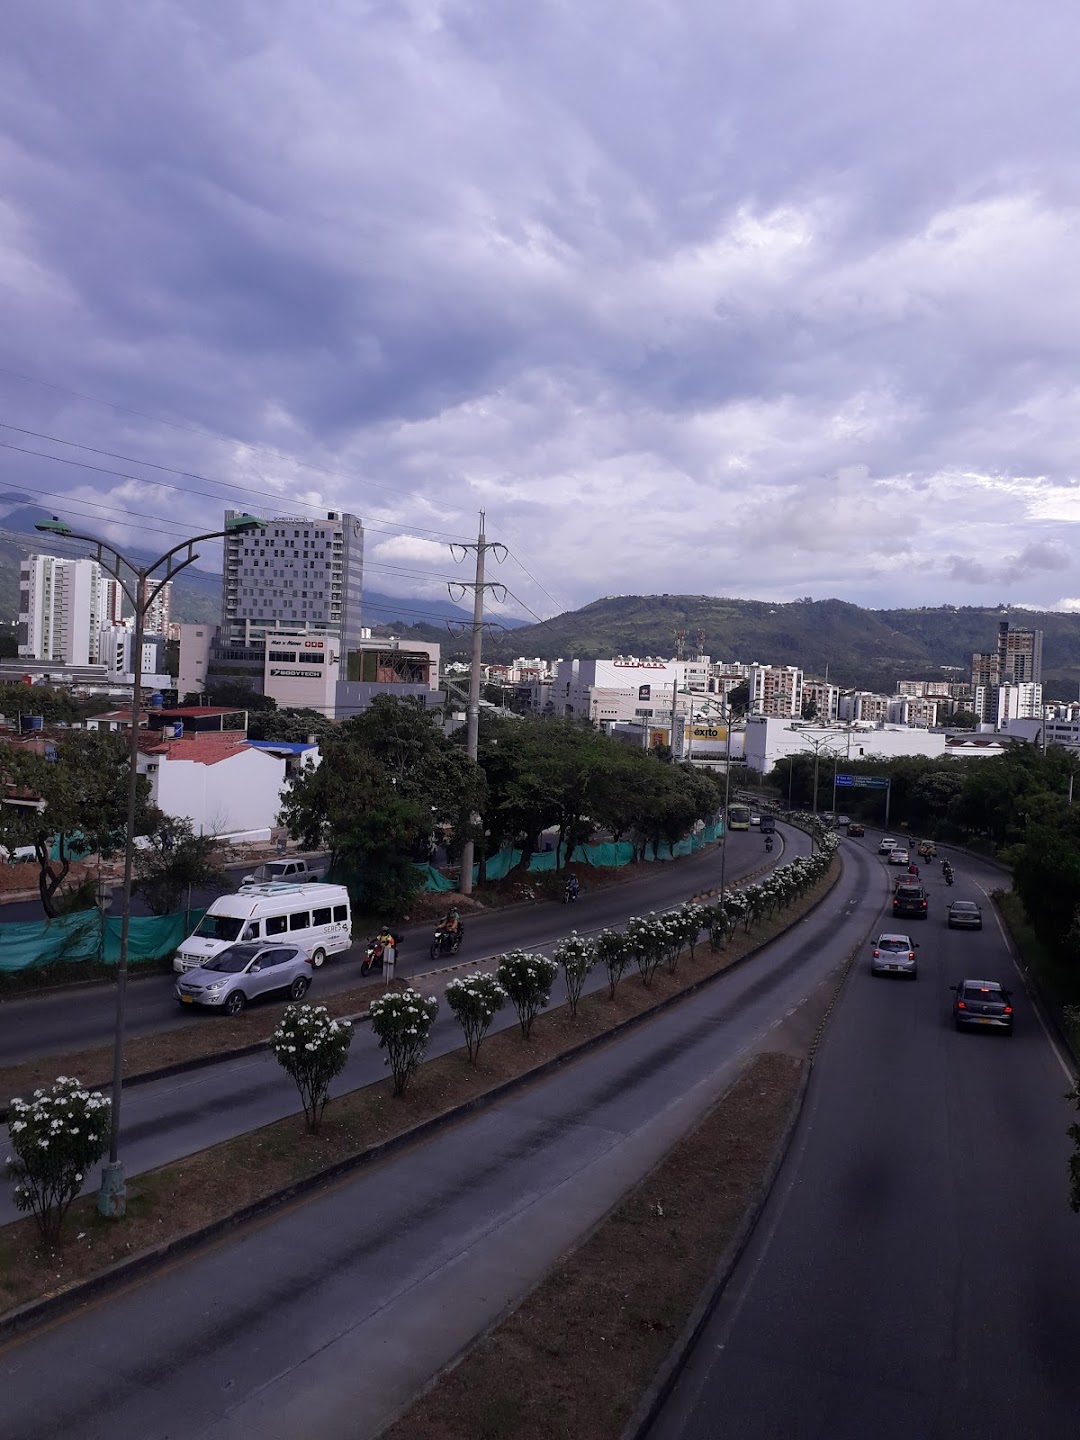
(894, 955)
(889, 842)
(898, 857)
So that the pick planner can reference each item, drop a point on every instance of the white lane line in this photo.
(1065, 1068)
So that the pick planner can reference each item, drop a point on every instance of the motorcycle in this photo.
(948, 877)
(768, 844)
(570, 894)
(446, 942)
(373, 955)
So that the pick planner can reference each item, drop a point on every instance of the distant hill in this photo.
(867, 648)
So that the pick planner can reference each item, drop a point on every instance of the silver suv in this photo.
(242, 972)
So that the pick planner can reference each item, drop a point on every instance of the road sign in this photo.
(864, 782)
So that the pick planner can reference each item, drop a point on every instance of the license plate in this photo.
(984, 1021)
(187, 999)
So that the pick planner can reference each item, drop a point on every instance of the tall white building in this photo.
(625, 688)
(62, 607)
(1016, 702)
(776, 690)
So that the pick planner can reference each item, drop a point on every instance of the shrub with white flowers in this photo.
(614, 952)
(402, 1019)
(475, 1000)
(648, 939)
(577, 957)
(313, 1049)
(527, 978)
(57, 1136)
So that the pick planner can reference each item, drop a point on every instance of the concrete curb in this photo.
(1049, 1015)
(656, 1396)
(58, 1303)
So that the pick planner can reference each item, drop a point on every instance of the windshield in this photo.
(219, 927)
(233, 960)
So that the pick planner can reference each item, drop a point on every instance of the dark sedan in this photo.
(965, 915)
(983, 1003)
(855, 830)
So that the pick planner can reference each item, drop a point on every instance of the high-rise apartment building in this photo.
(1017, 661)
(776, 690)
(62, 607)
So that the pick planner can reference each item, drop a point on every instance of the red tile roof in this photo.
(192, 712)
(207, 749)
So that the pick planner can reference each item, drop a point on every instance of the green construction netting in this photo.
(76, 939)
(606, 855)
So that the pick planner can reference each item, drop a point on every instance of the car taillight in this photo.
(911, 954)
(307, 960)
(924, 904)
(960, 1005)
(1008, 1009)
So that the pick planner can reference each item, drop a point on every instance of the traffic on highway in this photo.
(862, 1304)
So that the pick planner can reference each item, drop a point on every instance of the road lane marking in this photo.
(1066, 1071)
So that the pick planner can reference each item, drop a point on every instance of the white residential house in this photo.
(221, 783)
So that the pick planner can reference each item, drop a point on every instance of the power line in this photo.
(388, 525)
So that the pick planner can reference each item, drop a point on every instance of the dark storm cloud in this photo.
(697, 282)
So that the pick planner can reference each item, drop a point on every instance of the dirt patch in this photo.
(577, 1354)
(222, 1180)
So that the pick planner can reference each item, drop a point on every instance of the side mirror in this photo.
(916, 945)
(254, 968)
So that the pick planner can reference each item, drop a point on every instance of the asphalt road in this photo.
(166, 1119)
(75, 1019)
(326, 1317)
(916, 1275)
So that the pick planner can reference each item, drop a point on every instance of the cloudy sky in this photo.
(749, 297)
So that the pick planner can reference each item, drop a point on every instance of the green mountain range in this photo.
(871, 649)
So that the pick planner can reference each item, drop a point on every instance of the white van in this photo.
(315, 917)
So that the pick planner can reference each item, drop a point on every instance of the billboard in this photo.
(644, 692)
(658, 735)
(709, 732)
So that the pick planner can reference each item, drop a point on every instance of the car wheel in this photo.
(298, 988)
(317, 957)
(234, 1002)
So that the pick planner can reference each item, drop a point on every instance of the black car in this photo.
(965, 915)
(982, 1003)
(909, 899)
(855, 830)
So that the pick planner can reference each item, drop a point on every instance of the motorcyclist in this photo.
(385, 938)
(572, 887)
(913, 869)
(451, 923)
(768, 843)
(946, 870)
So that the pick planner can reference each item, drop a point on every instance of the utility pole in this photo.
(727, 794)
(472, 731)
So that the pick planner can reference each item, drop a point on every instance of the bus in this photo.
(738, 817)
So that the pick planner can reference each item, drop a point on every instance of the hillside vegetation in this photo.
(867, 648)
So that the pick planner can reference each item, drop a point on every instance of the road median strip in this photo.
(222, 1186)
(181, 1048)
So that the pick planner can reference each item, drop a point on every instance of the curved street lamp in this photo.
(142, 587)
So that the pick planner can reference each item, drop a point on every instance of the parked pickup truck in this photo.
(285, 872)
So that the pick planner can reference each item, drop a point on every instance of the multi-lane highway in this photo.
(75, 1019)
(916, 1275)
(328, 1315)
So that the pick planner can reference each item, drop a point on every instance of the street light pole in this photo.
(141, 592)
(727, 793)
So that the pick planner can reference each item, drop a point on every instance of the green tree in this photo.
(292, 726)
(69, 794)
(739, 699)
(174, 862)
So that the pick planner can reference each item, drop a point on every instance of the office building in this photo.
(776, 690)
(1017, 661)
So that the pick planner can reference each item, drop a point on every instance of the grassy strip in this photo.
(168, 1203)
(1058, 983)
(576, 1355)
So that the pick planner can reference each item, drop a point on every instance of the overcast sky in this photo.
(766, 298)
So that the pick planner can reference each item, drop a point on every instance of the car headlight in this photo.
(220, 985)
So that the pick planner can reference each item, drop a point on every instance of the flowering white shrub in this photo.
(648, 939)
(57, 1136)
(614, 952)
(313, 1049)
(577, 957)
(527, 978)
(402, 1019)
(475, 1000)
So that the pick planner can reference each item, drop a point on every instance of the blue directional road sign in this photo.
(864, 782)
